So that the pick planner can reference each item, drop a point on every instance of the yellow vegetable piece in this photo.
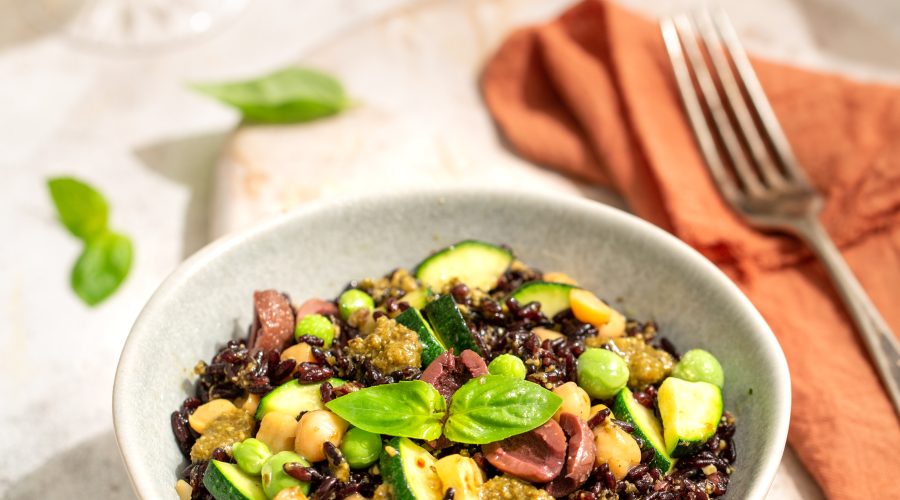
(278, 430)
(560, 278)
(462, 474)
(588, 308)
(206, 413)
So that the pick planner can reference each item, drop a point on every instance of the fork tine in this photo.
(695, 111)
(758, 98)
(742, 168)
(747, 127)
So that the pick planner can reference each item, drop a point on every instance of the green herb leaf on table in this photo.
(413, 409)
(101, 267)
(106, 258)
(285, 96)
(81, 208)
(495, 407)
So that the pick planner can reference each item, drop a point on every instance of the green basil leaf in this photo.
(495, 407)
(288, 95)
(81, 208)
(101, 267)
(411, 409)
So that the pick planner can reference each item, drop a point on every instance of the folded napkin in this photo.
(591, 94)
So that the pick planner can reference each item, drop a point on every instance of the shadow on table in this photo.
(91, 469)
(191, 162)
(864, 32)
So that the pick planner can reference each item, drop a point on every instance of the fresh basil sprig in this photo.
(285, 96)
(106, 258)
(483, 410)
(495, 407)
(412, 409)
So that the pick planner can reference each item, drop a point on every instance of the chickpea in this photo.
(301, 353)
(616, 448)
(314, 429)
(293, 493)
(248, 403)
(277, 431)
(597, 408)
(614, 328)
(183, 489)
(574, 401)
(546, 334)
(206, 413)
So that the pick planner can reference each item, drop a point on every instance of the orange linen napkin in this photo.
(592, 94)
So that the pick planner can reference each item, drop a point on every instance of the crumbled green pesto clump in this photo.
(228, 428)
(646, 364)
(507, 488)
(390, 347)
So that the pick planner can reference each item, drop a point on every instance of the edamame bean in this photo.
(601, 373)
(508, 364)
(354, 299)
(250, 455)
(361, 448)
(698, 365)
(275, 479)
(315, 325)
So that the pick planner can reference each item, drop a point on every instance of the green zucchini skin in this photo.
(432, 347)
(553, 297)
(409, 470)
(690, 413)
(417, 298)
(448, 322)
(646, 427)
(476, 263)
(293, 398)
(227, 481)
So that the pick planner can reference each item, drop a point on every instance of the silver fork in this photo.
(759, 176)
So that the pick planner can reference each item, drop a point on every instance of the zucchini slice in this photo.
(450, 325)
(227, 481)
(432, 346)
(417, 298)
(646, 427)
(690, 413)
(554, 297)
(293, 398)
(475, 263)
(410, 471)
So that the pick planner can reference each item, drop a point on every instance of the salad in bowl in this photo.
(472, 376)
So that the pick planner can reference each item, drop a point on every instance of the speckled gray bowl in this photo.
(316, 250)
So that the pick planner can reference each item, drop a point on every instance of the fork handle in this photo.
(879, 339)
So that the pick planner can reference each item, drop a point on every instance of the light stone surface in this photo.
(126, 123)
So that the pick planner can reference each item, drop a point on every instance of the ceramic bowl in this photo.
(315, 251)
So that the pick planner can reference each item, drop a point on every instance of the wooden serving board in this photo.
(418, 119)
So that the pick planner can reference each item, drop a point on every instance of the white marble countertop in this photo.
(127, 124)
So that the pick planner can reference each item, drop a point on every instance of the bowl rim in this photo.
(183, 272)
